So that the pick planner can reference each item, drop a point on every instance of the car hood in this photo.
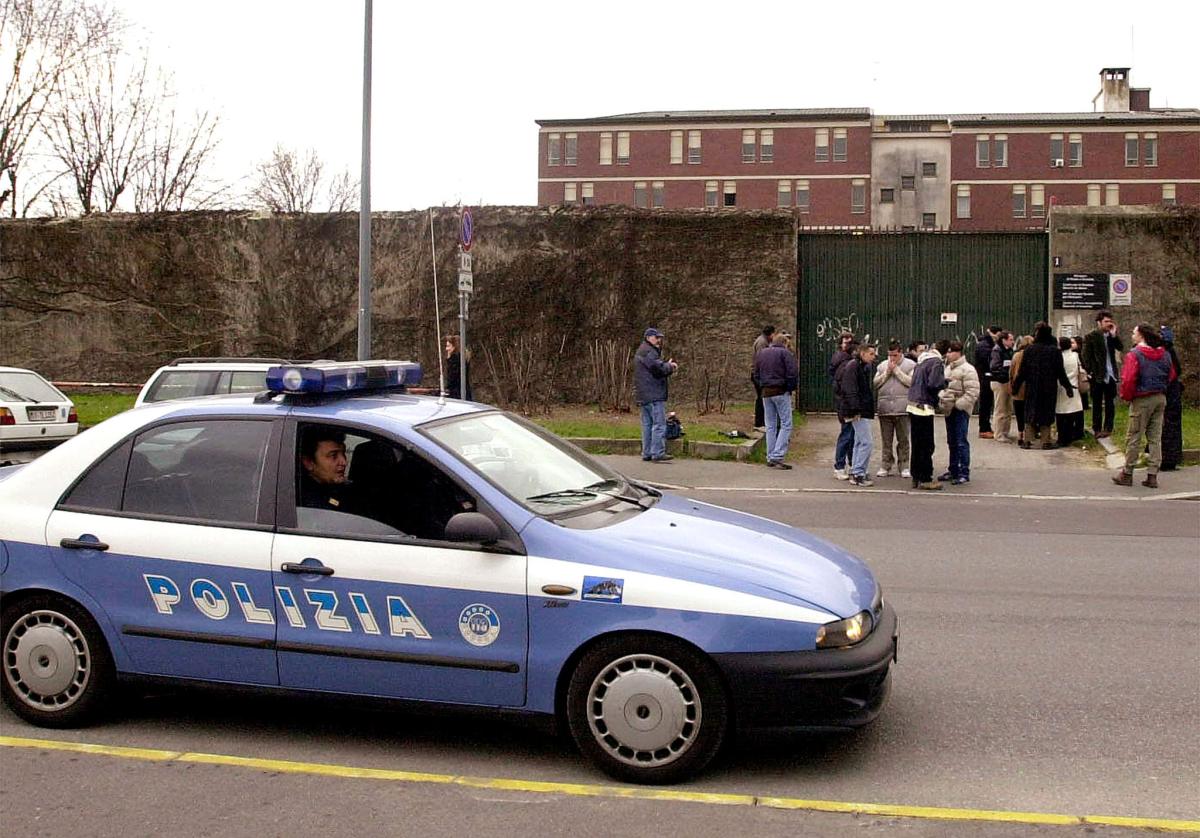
(712, 545)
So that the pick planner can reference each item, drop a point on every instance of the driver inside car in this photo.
(323, 482)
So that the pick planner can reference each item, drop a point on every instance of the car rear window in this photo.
(183, 384)
(27, 387)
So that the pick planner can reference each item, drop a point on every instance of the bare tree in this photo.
(177, 153)
(41, 41)
(291, 183)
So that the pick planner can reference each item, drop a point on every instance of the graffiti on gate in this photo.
(829, 328)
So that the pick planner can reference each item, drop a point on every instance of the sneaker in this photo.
(986, 435)
(861, 480)
(958, 481)
(780, 464)
(884, 472)
(665, 458)
(931, 486)
(945, 477)
(841, 474)
(906, 474)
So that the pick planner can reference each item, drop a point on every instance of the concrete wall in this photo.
(896, 155)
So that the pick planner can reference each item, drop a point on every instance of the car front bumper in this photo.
(821, 689)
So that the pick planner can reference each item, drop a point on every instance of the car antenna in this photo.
(437, 317)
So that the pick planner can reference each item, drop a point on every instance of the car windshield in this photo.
(27, 387)
(533, 467)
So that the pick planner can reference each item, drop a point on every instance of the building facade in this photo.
(851, 169)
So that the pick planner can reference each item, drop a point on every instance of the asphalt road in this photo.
(1048, 663)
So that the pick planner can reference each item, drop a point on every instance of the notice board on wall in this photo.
(1081, 291)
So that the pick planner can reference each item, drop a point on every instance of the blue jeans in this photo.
(863, 445)
(957, 425)
(845, 444)
(654, 430)
(777, 411)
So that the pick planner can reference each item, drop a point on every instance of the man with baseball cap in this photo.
(650, 374)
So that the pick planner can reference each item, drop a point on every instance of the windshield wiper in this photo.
(564, 495)
(602, 485)
(14, 394)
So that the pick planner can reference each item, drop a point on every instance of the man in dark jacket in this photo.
(928, 380)
(1172, 433)
(856, 378)
(776, 372)
(1002, 401)
(1041, 372)
(845, 441)
(1145, 377)
(650, 374)
(982, 363)
(1099, 358)
(760, 343)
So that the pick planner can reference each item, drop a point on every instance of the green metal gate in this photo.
(908, 286)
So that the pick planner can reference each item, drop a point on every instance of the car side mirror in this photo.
(472, 527)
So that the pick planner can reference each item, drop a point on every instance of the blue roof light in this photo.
(327, 377)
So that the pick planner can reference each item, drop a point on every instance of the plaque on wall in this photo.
(1081, 291)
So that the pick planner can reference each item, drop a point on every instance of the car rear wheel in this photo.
(647, 710)
(57, 667)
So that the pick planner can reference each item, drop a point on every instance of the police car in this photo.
(336, 534)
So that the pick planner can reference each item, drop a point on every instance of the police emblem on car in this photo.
(479, 625)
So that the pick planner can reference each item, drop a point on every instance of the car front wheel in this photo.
(647, 710)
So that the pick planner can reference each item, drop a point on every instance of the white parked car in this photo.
(185, 378)
(32, 409)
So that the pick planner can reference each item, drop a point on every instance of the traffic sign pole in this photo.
(466, 287)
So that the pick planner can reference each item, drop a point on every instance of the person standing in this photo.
(915, 350)
(1145, 376)
(454, 369)
(1068, 410)
(650, 374)
(845, 441)
(858, 405)
(982, 362)
(1018, 393)
(760, 343)
(927, 381)
(1002, 402)
(1041, 371)
(962, 383)
(777, 374)
(892, 380)
(1172, 435)
(1100, 348)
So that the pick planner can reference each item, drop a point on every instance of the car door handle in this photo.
(83, 544)
(301, 567)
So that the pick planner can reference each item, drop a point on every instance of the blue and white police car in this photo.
(336, 534)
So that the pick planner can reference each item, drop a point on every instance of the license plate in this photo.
(46, 414)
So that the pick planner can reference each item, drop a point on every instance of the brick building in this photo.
(846, 167)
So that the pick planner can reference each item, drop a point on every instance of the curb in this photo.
(739, 452)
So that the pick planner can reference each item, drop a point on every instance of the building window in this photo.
(1075, 150)
(858, 196)
(710, 193)
(928, 220)
(588, 195)
(656, 194)
(623, 148)
(982, 151)
(1169, 194)
(887, 196)
(908, 181)
(1056, 150)
(572, 154)
(1000, 151)
(1150, 149)
(822, 145)
(639, 194)
(693, 146)
(929, 170)
(730, 193)
(1112, 194)
(569, 194)
(1093, 195)
(785, 193)
(748, 145)
(1018, 201)
(802, 195)
(554, 149)
(962, 207)
(839, 145)
(1037, 201)
(766, 146)
(606, 149)
(676, 146)
(1131, 149)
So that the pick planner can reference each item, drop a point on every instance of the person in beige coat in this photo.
(1068, 410)
(892, 380)
(958, 399)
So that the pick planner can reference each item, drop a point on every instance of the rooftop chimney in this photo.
(1114, 90)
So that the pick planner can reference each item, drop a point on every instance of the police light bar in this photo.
(342, 377)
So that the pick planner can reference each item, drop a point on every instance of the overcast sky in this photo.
(457, 86)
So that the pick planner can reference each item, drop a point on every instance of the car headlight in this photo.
(845, 632)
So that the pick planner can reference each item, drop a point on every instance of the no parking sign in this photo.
(1120, 289)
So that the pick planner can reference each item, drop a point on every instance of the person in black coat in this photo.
(983, 364)
(1172, 434)
(1041, 372)
(453, 371)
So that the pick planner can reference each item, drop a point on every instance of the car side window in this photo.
(354, 483)
(182, 384)
(247, 382)
(102, 486)
(211, 470)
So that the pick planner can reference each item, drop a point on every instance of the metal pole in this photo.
(437, 316)
(364, 212)
(463, 299)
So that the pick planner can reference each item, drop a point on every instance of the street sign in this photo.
(466, 229)
(1080, 291)
(1120, 289)
(464, 261)
(466, 282)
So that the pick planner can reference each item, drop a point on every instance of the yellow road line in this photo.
(592, 790)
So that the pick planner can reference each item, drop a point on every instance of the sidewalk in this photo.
(997, 470)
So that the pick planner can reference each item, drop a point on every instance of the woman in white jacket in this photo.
(1068, 412)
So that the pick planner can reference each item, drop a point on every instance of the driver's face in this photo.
(328, 464)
